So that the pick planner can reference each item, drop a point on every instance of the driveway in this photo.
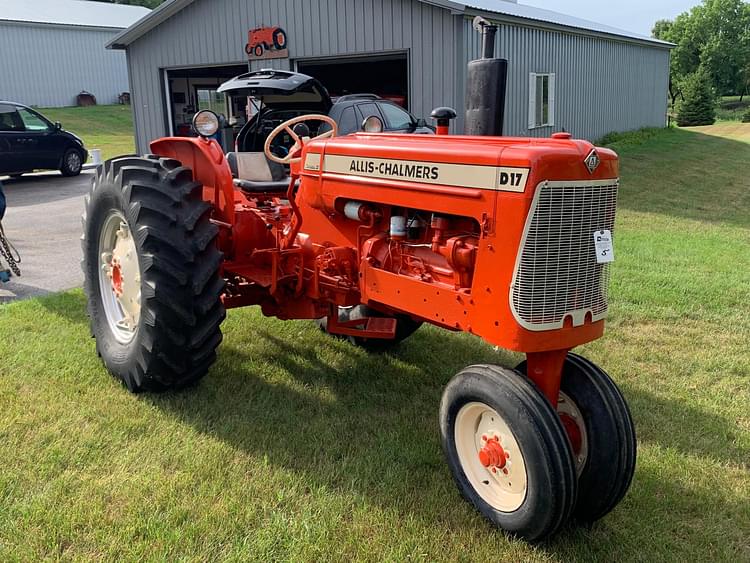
(43, 221)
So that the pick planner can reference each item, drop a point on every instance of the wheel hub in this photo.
(121, 277)
(575, 427)
(491, 457)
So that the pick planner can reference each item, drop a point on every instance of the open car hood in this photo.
(281, 89)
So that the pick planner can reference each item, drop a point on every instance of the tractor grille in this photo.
(557, 274)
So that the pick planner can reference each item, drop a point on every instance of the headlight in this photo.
(206, 123)
(372, 124)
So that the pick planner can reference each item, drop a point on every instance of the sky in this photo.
(637, 16)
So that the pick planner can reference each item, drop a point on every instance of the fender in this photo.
(210, 167)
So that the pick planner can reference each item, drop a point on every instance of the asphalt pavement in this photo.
(43, 221)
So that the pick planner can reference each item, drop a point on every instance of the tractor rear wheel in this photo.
(602, 435)
(405, 327)
(508, 451)
(151, 273)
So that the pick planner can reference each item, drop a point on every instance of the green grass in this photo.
(109, 128)
(298, 447)
(732, 109)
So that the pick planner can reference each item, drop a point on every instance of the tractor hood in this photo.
(280, 89)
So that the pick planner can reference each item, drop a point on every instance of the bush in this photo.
(746, 117)
(699, 101)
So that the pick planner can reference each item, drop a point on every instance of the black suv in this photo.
(350, 111)
(29, 141)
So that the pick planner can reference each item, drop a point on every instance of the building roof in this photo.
(506, 9)
(72, 12)
(515, 10)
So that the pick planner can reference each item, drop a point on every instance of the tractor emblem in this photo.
(592, 161)
(266, 43)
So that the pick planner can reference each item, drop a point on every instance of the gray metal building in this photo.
(51, 50)
(565, 73)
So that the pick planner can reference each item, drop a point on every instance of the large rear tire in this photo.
(151, 273)
(508, 451)
(600, 428)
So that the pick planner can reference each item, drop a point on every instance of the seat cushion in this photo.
(255, 167)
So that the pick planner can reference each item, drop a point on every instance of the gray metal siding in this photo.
(602, 85)
(214, 32)
(49, 65)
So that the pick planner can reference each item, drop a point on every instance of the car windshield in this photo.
(396, 118)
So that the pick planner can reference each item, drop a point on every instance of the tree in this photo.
(715, 35)
(699, 104)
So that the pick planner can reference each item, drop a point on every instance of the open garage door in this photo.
(195, 89)
(384, 75)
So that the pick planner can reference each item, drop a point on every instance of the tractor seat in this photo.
(254, 173)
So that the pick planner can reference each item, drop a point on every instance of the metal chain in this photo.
(7, 251)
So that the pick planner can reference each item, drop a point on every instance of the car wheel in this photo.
(72, 163)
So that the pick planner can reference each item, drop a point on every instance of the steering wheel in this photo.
(298, 141)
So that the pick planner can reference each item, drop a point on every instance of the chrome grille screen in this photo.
(557, 274)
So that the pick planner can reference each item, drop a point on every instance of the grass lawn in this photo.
(109, 128)
(300, 447)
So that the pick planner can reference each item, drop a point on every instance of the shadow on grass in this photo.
(687, 174)
(368, 424)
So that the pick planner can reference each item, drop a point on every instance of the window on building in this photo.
(32, 121)
(209, 98)
(541, 100)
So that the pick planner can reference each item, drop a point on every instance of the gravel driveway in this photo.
(43, 221)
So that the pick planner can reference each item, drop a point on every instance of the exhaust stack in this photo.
(486, 85)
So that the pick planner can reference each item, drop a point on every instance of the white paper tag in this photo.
(605, 251)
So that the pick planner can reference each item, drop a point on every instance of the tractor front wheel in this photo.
(602, 436)
(151, 273)
(508, 451)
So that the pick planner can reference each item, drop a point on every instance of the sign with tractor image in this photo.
(266, 43)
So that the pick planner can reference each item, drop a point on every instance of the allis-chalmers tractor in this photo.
(508, 239)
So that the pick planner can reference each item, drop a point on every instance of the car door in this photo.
(11, 128)
(42, 146)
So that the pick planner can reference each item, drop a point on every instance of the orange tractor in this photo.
(508, 239)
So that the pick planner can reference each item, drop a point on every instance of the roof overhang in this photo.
(171, 7)
(147, 23)
(553, 26)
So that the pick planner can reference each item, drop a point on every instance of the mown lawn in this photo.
(298, 447)
(109, 128)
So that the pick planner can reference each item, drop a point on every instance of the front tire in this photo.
(151, 273)
(600, 428)
(72, 163)
(507, 451)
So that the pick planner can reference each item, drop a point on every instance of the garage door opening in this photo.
(384, 75)
(194, 89)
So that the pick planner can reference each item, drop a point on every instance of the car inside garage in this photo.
(385, 75)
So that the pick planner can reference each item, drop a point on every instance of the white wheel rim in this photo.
(502, 486)
(119, 277)
(566, 407)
